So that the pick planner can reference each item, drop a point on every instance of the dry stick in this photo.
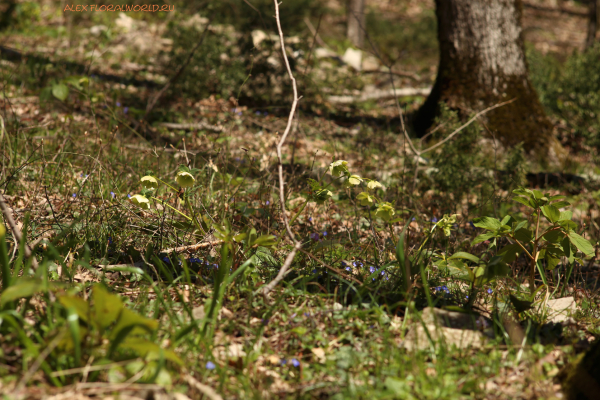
(16, 231)
(297, 245)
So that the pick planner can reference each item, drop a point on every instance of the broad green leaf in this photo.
(107, 307)
(80, 306)
(487, 223)
(524, 201)
(523, 192)
(551, 262)
(23, 288)
(553, 236)
(483, 237)
(510, 252)
(60, 91)
(566, 215)
(551, 213)
(537, 194)
(519, 304)
(520, 225)
(465, 256)
(129, 318)
(265, 241)
(581, 243)
(566, 247)
(495, 269)
(524, 235)
(561, 204)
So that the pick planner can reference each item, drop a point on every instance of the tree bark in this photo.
(482, 63)
(356, 22)
(592, 24)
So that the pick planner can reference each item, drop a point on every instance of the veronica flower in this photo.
(434, 220)
(125, 110)
(74, 195)
(490, 291)
(371, 269)
(314, 236)
(295, 363)
(210, 365)
(112, 194)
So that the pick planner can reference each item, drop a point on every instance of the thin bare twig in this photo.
(297, 245)
(16, 231)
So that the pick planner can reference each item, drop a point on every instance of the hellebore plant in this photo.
(185, 180)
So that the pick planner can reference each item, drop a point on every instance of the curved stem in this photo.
(172, 208)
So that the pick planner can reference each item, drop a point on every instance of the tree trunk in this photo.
(592, 24)
(482, 63)
(356, 22)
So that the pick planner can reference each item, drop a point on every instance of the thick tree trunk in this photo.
(482, 63)
(592, 24)
(356, 22)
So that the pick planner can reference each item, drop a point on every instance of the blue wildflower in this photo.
(112, 194)
(118, 104)
(283, 362)
(210, 365)
(295, 363)
(125, 110)
(258, 113)
(490, 291)
(267, 202)
(314, 236)
(324, 233)
(307, 314)
(434, 220)
(74, 195)
(309, 219)
(371, 269)
(128, 196)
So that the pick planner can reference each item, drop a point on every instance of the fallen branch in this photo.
(192, 126)
(193, 247)
(379, 95)
(16, 231)
(202, 388)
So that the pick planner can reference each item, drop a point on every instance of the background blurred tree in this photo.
(7, 8)
(356, 22)
(482, 63)
(593, 23)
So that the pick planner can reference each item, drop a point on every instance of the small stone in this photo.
(353, 58)
(559, 309)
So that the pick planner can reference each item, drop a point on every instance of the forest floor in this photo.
(341, 324)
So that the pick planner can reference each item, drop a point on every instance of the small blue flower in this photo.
(295, 363)
(324, 233)
(125, 110)
(239, 113)
(166, 259)
(74, 195)
(434, 220)
(314, 236)
(467, 297)
(314, 271)
(112, 194)
(265, 321)
(283, 362)
(414, 219)
(490, 291)
(307, 314)
(128, 196)
(267, 202)
(210, 365)
(371, 269)
(310, 219)
(258, 113)
(118, 104)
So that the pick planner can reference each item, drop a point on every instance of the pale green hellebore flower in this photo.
(149, 182)
(321, 196)
(385, 211)
(140, 201)
(185, 179)
(364, 199)
(374, 185)
(337, 168)
(354, 180)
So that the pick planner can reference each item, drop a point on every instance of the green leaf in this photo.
(519, 304)
(566, 215)
(465, 256)
(524, 235)
(107, 307)
(60, 91)
(581, 243)
(483, 237)
(80, 306)
(487, 223)
(364, 199)
(537, 194)
(510, 252)
(561, 204)
(130, 319)
(496, 268)
(566, 247)
(265, 241)
(551, 262)
(553, 236)
(523, 201)
(23, 288)
(551, 213)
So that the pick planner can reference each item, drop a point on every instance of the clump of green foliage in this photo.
(571, 92)
(514, 172)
